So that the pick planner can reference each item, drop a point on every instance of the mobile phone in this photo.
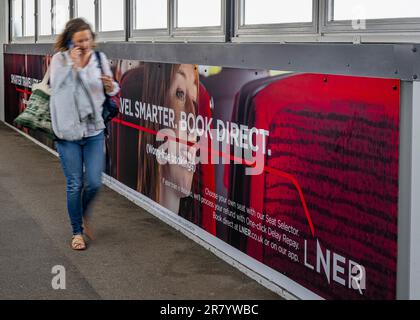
(70, 45)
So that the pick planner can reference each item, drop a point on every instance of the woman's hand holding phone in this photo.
(75, 55)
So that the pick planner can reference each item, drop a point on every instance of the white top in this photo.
(91, 74)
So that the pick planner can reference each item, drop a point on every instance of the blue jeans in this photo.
(83, 162)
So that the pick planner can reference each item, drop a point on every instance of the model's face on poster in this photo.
(182, 97)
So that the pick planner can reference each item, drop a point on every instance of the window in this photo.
(45, 17)
(111, 15)
(150, 19)
(206, 20)
(107, 17)
(52, 17)
(274, 19)
(198, 13)
(374, 9)
(150, 14)
(199, 20)
(23, 20)
(29, 18)
(277, 12)
(17, 12)
(178, 20)
(86, 9)
(61, 14)
(373, 16)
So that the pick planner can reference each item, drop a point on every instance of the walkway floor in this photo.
(135, 256)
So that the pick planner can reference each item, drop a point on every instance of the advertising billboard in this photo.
(298, 171)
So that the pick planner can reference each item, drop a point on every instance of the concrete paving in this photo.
(135, 255)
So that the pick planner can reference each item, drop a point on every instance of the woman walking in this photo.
(78, 85)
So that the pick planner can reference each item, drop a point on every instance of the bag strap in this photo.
(98, 57)
(46, 77)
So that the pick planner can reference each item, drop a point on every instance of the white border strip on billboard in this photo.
(43, 146)
(414, 291)
(264, 275)
(4, 35)
(2, 105)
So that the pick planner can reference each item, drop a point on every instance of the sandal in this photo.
(87, 230)
(78, 243)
